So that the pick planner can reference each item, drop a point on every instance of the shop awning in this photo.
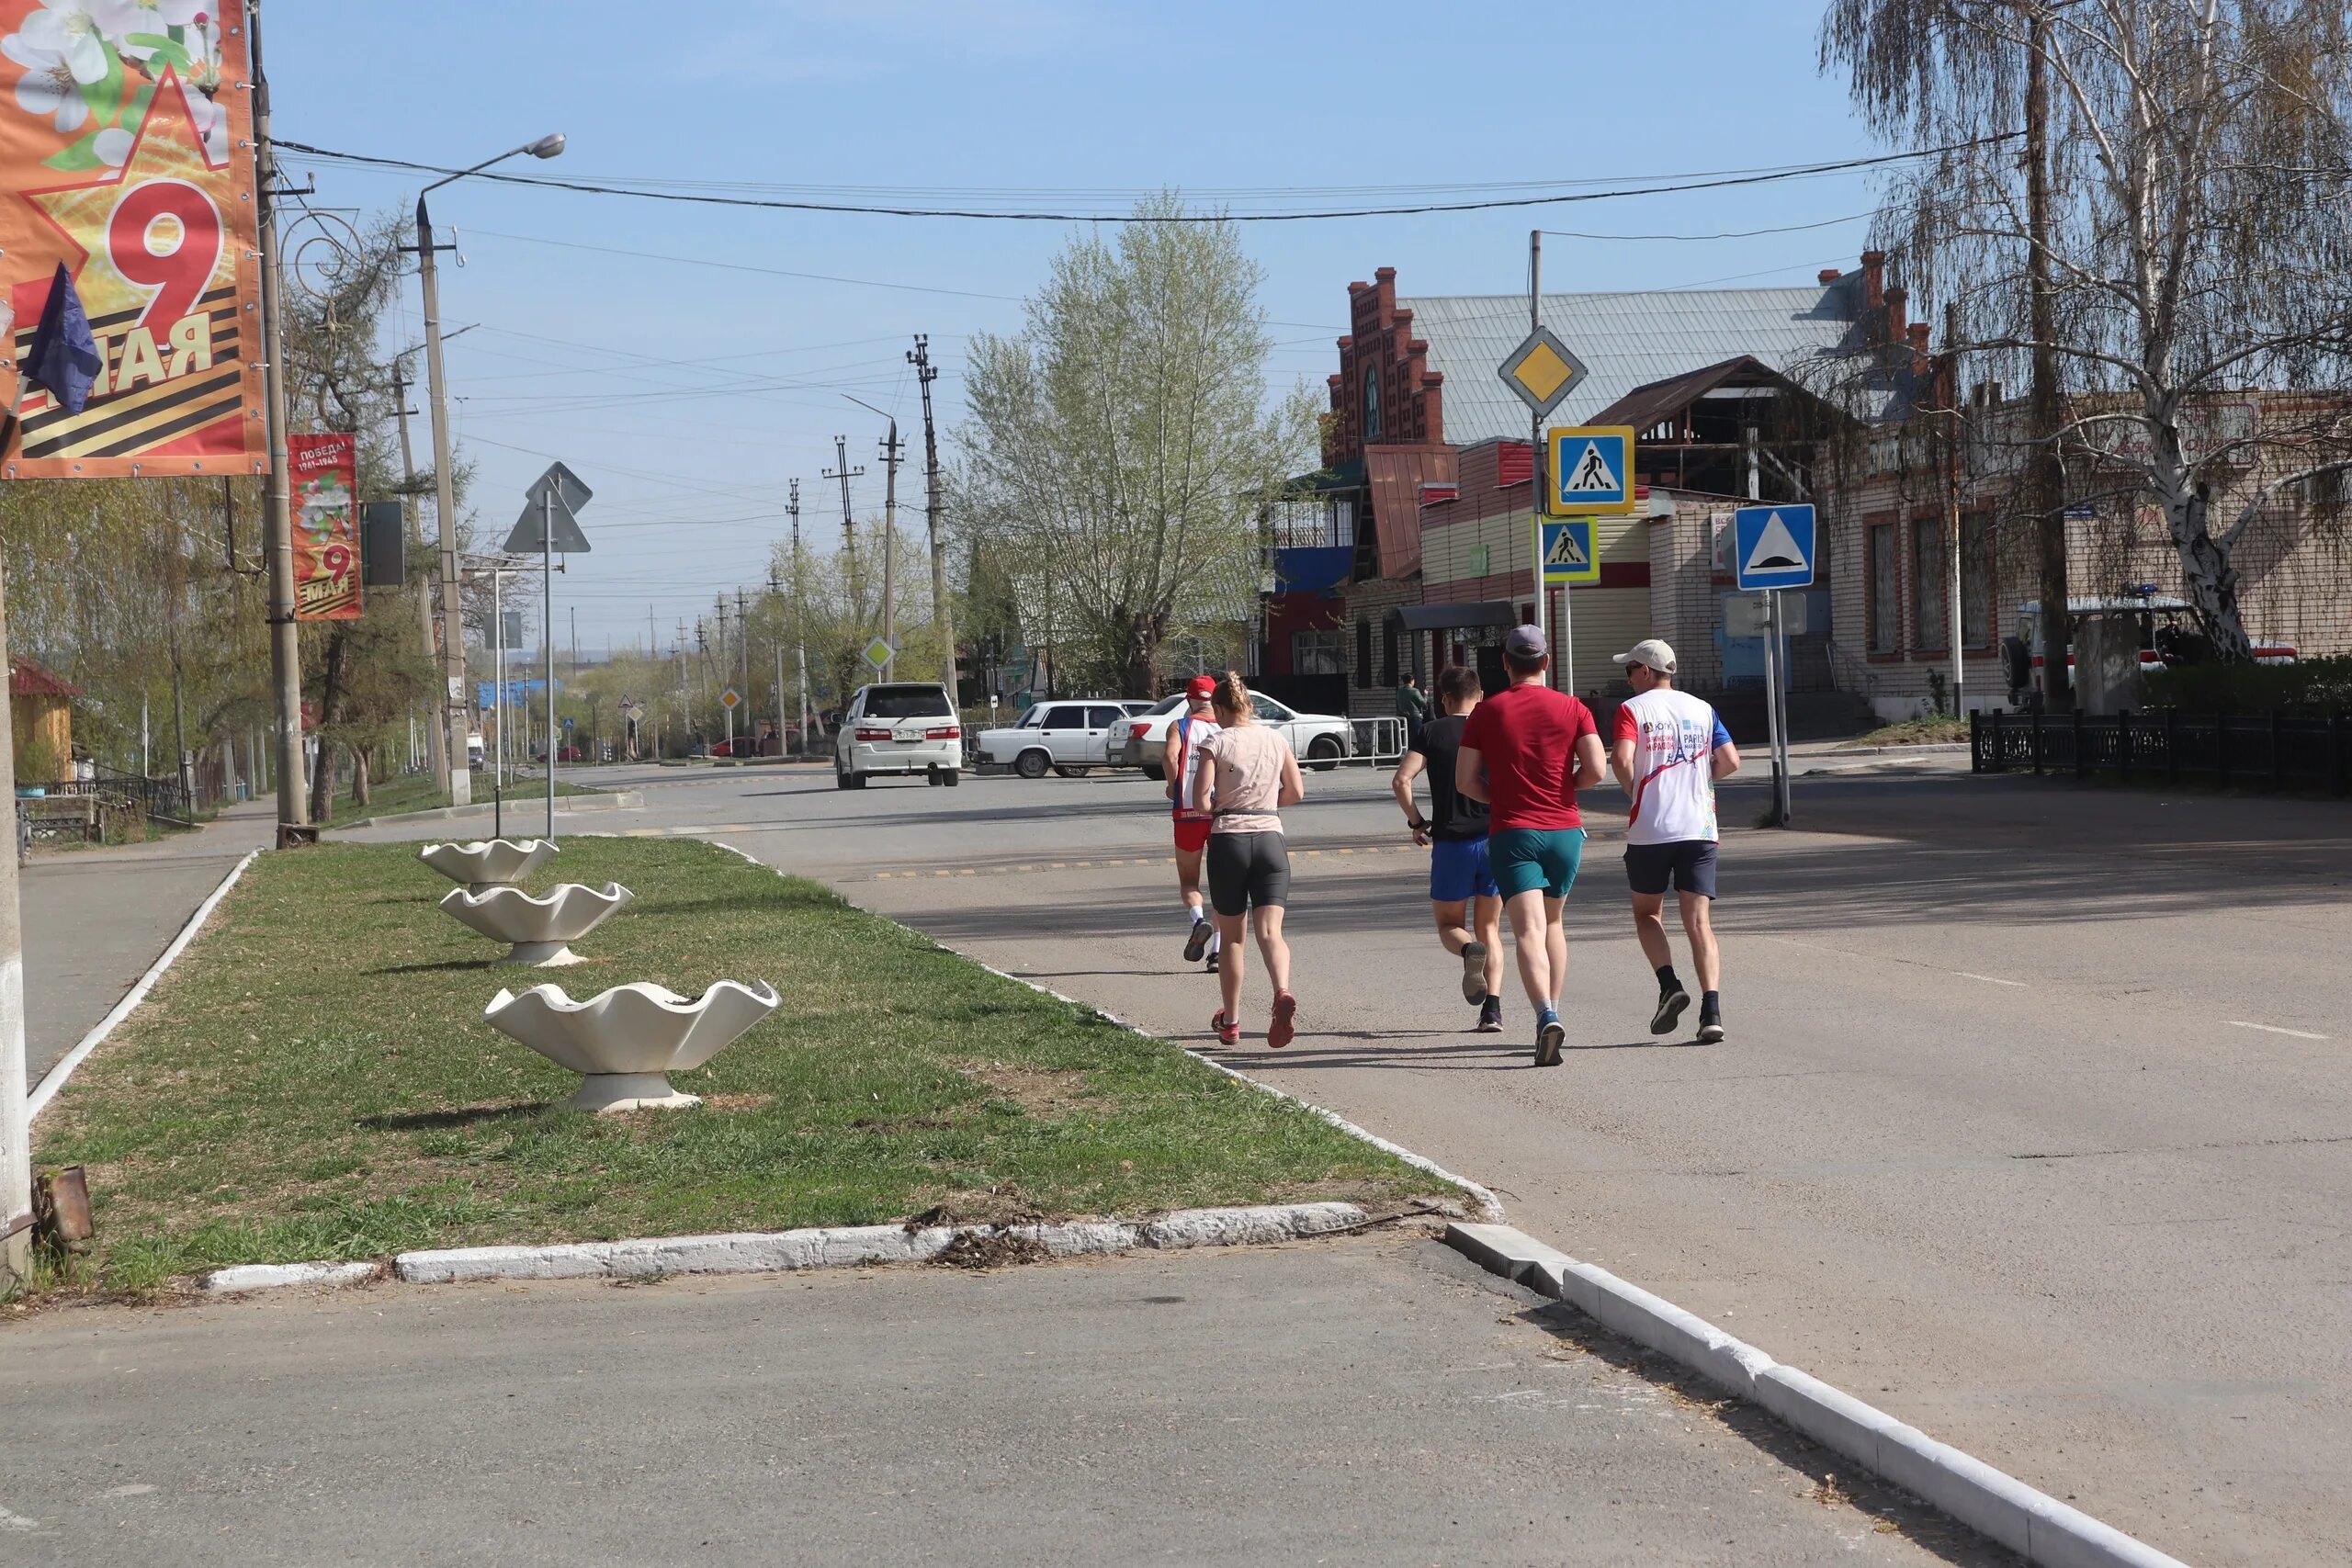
(1447, 618)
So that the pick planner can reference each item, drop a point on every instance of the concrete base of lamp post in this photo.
(626, 1041)
(537, 931)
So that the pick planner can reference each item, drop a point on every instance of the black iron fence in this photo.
(167, 797)
(2276, 750)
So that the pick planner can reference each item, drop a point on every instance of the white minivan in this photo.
(903, 727)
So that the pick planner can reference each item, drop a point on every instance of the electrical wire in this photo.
(1673, 183)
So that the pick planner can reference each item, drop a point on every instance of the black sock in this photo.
(1711, 1005)
(1666, 980)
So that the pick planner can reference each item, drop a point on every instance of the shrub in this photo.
(2322, 683)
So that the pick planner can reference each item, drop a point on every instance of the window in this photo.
(1363, 653)
(1977, 580)
(1103, 717)
(1267, 710)
(1930, 568)
(904, 702)
(1371, 405)
(1318, 653)
(1059, 718)
(1885, 587)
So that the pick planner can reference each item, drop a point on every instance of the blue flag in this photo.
(63, 359)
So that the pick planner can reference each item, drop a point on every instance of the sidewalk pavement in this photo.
(1369, 1402)
(94, 919)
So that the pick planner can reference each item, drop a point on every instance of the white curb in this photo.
(55, 1080)
(1490, 1207)
(2033, 1523)
(270, 1276)
(774, 1252)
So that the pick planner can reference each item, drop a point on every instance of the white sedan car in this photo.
(907, 727)
(1067, 736)
(1317, 739)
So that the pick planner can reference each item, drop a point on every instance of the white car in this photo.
(1067, 734)
(905, 727)
(1317, 739)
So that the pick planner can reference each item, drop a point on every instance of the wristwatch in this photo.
(1418, 825)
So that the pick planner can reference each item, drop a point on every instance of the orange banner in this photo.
(126, 146)
(326, 526)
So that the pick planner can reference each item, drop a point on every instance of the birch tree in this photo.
(1119, 447)
(2198, 238)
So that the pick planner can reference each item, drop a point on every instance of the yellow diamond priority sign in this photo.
(1542, 371)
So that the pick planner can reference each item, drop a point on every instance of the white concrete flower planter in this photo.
(488, 863)
(538, 931)
(626, 1041)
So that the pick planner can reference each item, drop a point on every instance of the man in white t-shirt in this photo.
(1670, 750)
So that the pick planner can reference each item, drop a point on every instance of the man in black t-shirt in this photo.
(1464, 898)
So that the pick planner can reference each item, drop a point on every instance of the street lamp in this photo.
(453, 631)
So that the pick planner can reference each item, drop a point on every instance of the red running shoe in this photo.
(1227, 1032)
(1280, 1032)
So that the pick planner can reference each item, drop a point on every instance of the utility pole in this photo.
(686, 695)
(743, 649)
(444, 500)
(782, 750)
(436, 728)
(893, 450)
(728, 712)
(799, 633)
(844, 473)
(2045, 475)
(925, 374)
(1951, 381)
(277, 528)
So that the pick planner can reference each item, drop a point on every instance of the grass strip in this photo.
(314, 1081)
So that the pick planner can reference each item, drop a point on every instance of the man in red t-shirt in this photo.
(1526, 752)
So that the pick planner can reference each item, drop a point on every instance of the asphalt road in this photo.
(1371, 1401)
(94, 919)
(2034, 1126)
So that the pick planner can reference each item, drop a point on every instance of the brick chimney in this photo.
(1922, 361)
(1873, 281)
(1827, 275)
(1898, 311)
(1384, 287)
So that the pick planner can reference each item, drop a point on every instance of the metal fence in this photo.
(1377, 740)
(165, 798)
(2275, 750)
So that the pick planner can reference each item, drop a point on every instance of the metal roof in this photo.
(1628, 340)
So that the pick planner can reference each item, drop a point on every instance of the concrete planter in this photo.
(626, 1041)
(538, 931)
(488, 863)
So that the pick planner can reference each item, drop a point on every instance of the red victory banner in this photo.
(126, 150)
(326, 526)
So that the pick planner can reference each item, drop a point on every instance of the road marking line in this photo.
(943, 872)
(966, 871)
(2274, 1029)
(1990, 979)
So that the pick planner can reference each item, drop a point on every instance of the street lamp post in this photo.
(453, 629)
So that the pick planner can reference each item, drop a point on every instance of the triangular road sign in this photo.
(530, 527)
(1592, 475)
(1776, 548)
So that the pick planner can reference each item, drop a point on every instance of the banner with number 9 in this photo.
(126, 146)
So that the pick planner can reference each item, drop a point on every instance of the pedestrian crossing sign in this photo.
(1592, 470)
(1569, 553)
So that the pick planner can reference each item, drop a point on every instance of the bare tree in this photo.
(2196, 243)
(1119, 447)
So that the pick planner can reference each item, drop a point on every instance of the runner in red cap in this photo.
(1189, 797)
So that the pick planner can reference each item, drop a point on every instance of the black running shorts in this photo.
(1687, 863)
(1248, 870)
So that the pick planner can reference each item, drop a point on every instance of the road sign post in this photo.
(727, 700)
(550, 523)
(1542, 371)
(1773, 548)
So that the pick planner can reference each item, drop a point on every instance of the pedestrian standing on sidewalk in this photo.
(1462, 896)
(1251, 774)
(1525, 752)
(1412, 707)
(1189, 728)
(1670, 748)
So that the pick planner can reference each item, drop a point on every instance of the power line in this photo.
(1672, 184)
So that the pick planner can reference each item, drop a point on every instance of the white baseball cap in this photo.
(1651, 651)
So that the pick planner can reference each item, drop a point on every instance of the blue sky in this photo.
(1052, 96)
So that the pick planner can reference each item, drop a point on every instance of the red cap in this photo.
(1200, 688)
